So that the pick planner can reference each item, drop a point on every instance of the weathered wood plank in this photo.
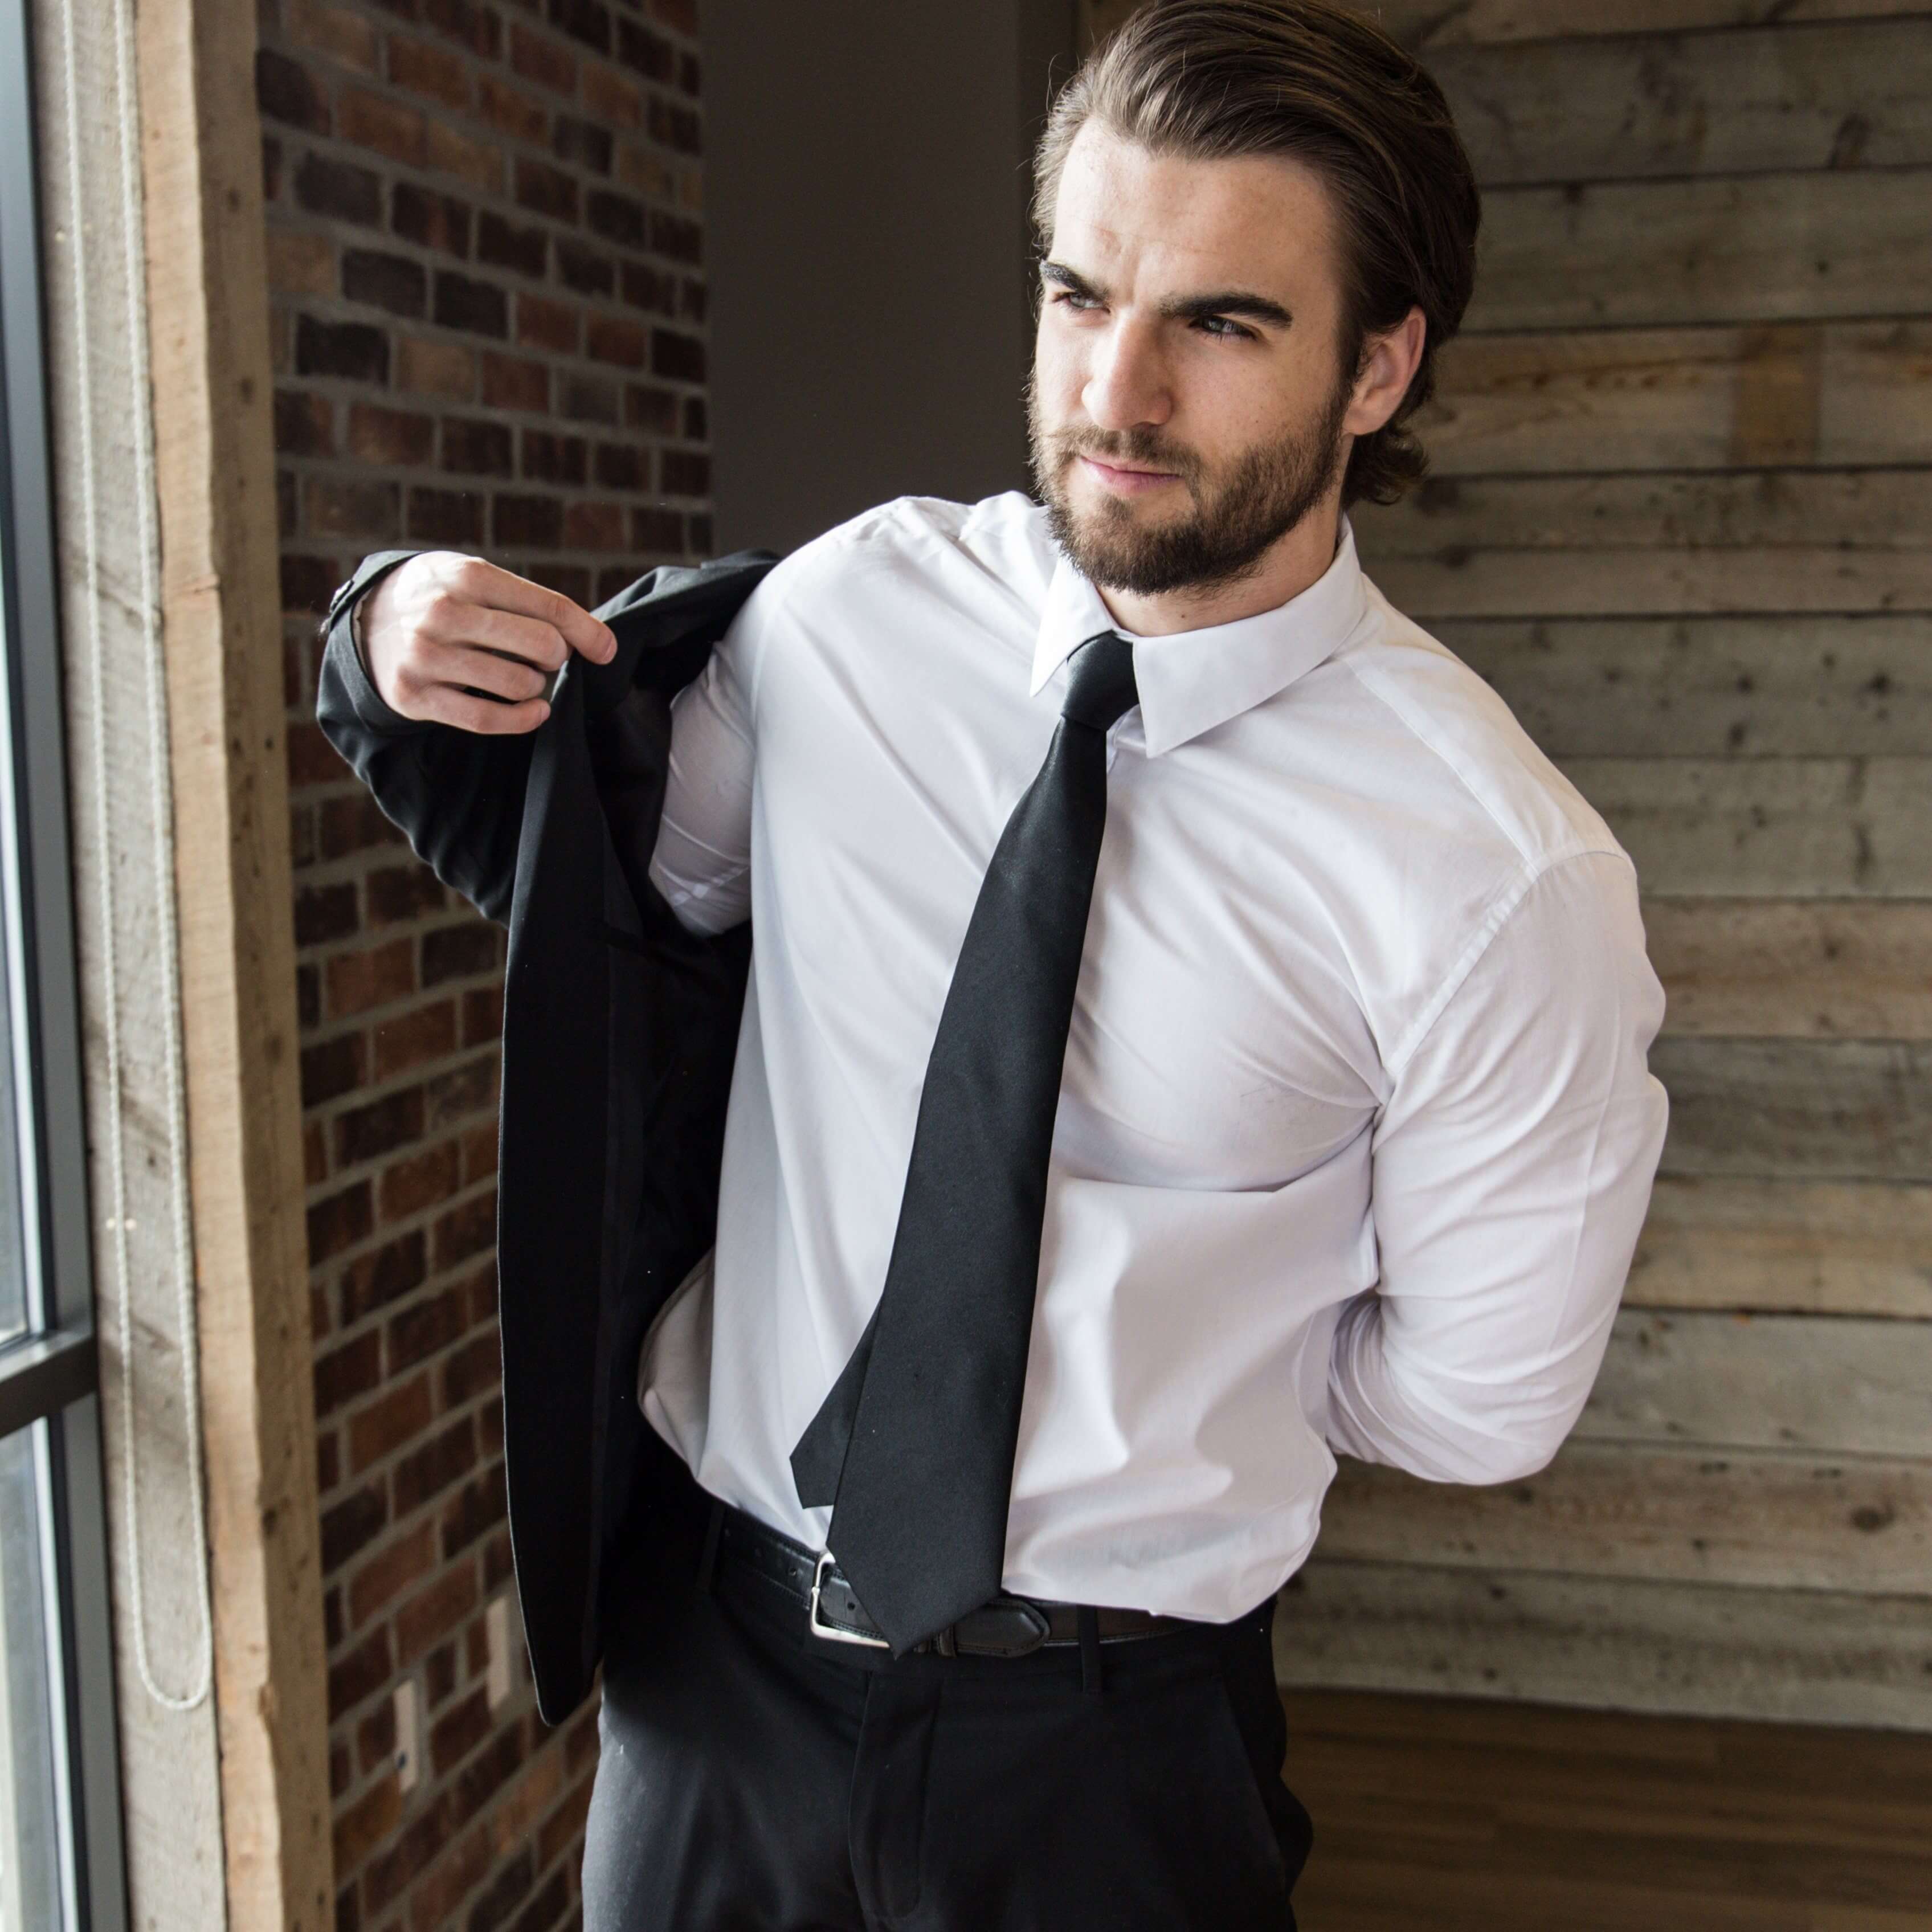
(1711, 687)
(1595, 582)
(1818, 96)
(1757, 248)
(1825, 969)
(1429, 24)
(1822, 1247)
(1766, 1519)
(1649, 399)
(1724, 1382)
(1777, 828)
(1882, 512)
(1807, 1109)
(1763, 1828)
(1821, 1656)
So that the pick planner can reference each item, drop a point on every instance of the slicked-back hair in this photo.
(1308, 81)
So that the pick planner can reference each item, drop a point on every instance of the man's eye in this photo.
(1075, 299)
(1219, 325)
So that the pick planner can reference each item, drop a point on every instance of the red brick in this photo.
(313, 760)
(389, 126)
(476, 1366)
(352, 1370)
(449, 517)
(435, 368)
(483, 1009)
(304, 424)
(477, 1509)
(459, 1731)
(545, 190)
(330, 1068)
(515, 382)
(376, 1736)
(357, 981)
(610, 97)
(347, 37)
(410, 1851)
(423, 1327)
(350, 507)
(436, 1897)
(479, 1154)
(547, 1912)
(403, 891)
(392, 1570)
(366, 1823)
(545, 323)
(498, 1902)
(421, 1181)
(384, 1276)
(563, 1827)
(423, 68)
(434, 1612)
(475, 162)
(466, 1089)
(351, 1525)
(284, 91)
(353, 823)
(427, 1034)
(338, 1222)
(476, 448)
(315, 1149)
(680, 15)
(511, 111)
(594, 526)
(430, 220)
(379, 1128)
(384, 436)
(386, 1424)
(615, 338)
(468, 1230)
(536, 57)
(427, 1472)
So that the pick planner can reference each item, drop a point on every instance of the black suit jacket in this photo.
(619, 1028)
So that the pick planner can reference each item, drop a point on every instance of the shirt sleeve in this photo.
(1512, 1168)
(702, 861)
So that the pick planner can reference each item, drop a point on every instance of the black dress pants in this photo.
(756, 1779)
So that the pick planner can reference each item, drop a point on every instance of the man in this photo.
(1189, 1028)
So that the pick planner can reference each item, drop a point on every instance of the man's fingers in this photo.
(450, 624)
(444, 704)
(479, 582)
(481, 670)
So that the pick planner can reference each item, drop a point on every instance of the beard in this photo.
(1238, 514)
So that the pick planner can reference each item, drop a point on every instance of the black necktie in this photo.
(913, 1448)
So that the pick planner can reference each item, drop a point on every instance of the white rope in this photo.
(162, 815)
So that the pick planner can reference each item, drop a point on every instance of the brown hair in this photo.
(1215, 80)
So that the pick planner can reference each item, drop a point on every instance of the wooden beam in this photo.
(1755, 248)
(1836, 95)
(1619, 1643)
(207, 293)
(1857, 686)
(1816, 1247)
(1770, 828)
(1799, 1109)
(1823, 394)
(1820, 968)
(1765, 1519)
(1728, 1383)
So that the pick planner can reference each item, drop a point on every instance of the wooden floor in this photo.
(1444, 1815)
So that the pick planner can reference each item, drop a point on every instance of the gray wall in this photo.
(865, 184)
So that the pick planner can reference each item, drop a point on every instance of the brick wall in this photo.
(487, 309)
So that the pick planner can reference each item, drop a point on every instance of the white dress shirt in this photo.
(1355, 1134)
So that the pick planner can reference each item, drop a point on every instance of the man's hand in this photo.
(443, 627)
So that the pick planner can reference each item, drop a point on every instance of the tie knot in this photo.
(1100, 682)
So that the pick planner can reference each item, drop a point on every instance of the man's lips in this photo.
(1123, 481)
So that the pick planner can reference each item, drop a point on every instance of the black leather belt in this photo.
(1006, 1626)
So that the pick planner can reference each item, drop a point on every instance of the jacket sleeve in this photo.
(457, 796)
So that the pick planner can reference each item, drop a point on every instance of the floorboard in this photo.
(1446, 1814)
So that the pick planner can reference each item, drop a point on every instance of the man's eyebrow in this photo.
(1244, 303)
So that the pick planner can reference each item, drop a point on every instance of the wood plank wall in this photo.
(1682, 517)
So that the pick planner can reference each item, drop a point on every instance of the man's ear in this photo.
(1390, 361)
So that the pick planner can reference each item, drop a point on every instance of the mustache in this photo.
(1145, 446)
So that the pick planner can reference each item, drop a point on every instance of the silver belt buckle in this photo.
(831, 1631)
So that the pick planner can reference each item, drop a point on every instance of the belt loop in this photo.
(707, 1563)
(1088, 1619)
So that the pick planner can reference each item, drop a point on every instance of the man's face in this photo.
(1188, 402)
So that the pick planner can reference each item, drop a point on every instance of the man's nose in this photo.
(1127, 384)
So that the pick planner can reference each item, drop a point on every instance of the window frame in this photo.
(49, 1373)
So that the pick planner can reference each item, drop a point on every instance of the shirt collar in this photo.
(1191, 681)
